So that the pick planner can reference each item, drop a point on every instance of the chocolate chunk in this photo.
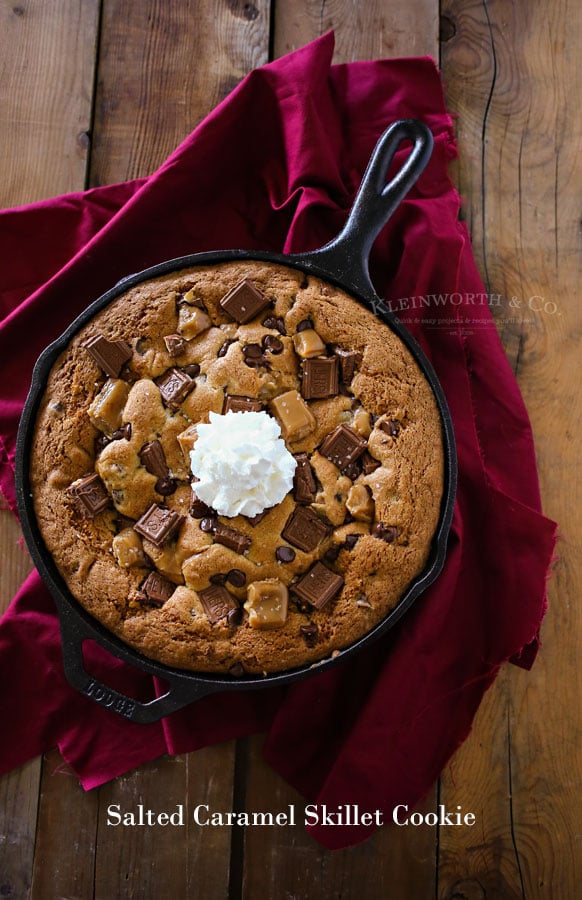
(217, 602)
(158, 524)
(319, 585)
(352, 470)
(175, 344)
(123, 433)
(304, 529)
(236, 577)
(237, 671)
(369, 464)
(303, 325)
(231, 537)
(351, 540)
(332, 553)
(320, 378)
(235, 403)
(244, 302)
(285, 554)
(343, 446)
(387, 533)
(304, 484)
(199, 509)
(224, 348)
(109, 355)
(309, 632)
(275, 322)
(390, 426)
(153, 458)
(273, 344)
(208, 524)
(254, 520)
(157, 589)
(175, 386)
(349, 361)
(90, 494)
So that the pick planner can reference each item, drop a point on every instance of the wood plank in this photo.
(364, 29)
(166, 861)
(47, 53)
(508, 69)
(394, 863)
(162, 68)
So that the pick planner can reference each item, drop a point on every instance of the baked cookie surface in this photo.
(115, 495)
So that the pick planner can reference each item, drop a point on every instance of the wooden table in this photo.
(98, 91)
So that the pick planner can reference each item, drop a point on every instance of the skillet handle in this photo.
(179, 694)
(346, 257)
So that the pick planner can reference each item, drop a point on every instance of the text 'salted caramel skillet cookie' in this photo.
(235, 468)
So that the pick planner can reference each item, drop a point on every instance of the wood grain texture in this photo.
(509, 70)
(162, 68)
(364, 29)
(47, 54)
(395, 863)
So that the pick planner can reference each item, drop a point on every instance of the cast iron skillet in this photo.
(342, 262)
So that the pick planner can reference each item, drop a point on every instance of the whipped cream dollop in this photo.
(242, 463)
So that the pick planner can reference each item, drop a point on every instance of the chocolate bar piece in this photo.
(109, 355)
(158, 524)
(369, 464)
(304, 529)
(320, 378)
(343, 446)
(304, 484)
(234, 403)
(175, 344)
(91, 495)
(349, 361)
(319, 585)
(231, 538)
(175, 386)
(157, 589)
(153, 458)
(244, 302)
(217, 602)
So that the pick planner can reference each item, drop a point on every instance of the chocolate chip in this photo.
(303, 325)
(285, 554)
(275, 322)
(166, 486)
(273, 344)
(304, 529)
(387, 533)
(193, 370)
(390, 426)
(224, 348)
(218, 578)
(123, 433)
(199, 509)
(253, 355)
(101, 442)
(236, 577)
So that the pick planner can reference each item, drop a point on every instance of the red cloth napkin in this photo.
(276, 167)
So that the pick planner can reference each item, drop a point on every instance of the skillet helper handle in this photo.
(346, 257)
(178, 694)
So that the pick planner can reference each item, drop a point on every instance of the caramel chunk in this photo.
(90, 494)
(187, 439)
(295, 417)
(360, 503)
(109, 355)
(107, 407)
(319, 586)
(308, 343)
(244, 302)
(127, 549)
(192, 321)
(266, 604)
(158, 524)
